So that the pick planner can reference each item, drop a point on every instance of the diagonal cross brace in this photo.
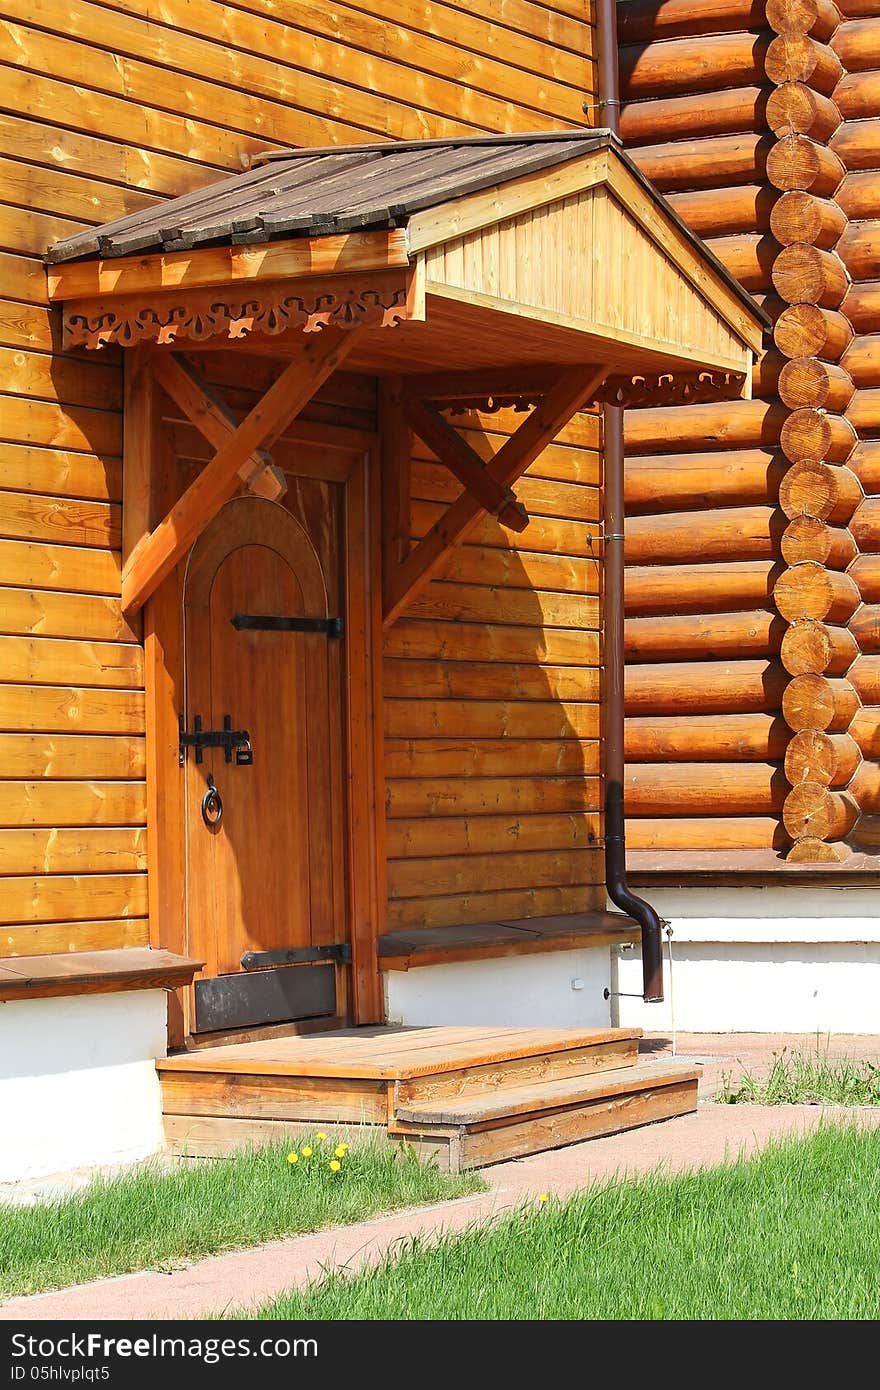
(213, 418)
(157, 554)
(466, 464)
(574, 388)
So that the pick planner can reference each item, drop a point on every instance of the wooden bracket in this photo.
(158, 553)
(213, 418)
(466, 464)
(574, 388)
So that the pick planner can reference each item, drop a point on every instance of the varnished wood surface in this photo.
(402, 950)
(113, 109)
(554, 1093)
(93, 972)
(387, 1053)
(492, 700)
(463, 1097)
(264, 879)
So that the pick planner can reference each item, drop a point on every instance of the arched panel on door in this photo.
(265, 880)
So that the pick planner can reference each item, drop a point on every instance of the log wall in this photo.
(777, 173)
(857, 44)
(106, 108)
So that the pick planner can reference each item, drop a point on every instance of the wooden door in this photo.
(264, 879)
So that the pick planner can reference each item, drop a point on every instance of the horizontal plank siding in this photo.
(112, 106)
(492, 699)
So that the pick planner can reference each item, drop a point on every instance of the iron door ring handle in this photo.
(212, 805)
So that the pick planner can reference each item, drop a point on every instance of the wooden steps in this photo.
(466, 1096)
(519, 1120)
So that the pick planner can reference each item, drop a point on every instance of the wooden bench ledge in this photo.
(403, 950)
(94, 972)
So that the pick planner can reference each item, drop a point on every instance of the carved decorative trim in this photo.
(673, 388)
(678, 388)
(491, 404)
(379, 301)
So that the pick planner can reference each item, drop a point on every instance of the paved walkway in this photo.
(246, 1278)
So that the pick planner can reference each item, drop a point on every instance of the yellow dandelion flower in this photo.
(543, 1197)
(321, 1135)
(341, 1150)
(306, 1153)
(293, 1158)
(335, 1165)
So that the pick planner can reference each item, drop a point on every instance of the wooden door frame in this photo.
(353, 463)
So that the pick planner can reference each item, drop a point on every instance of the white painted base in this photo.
(774, 959)
(78, 1083)
(553, 990)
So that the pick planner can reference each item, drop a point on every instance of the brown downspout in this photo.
(613, 517)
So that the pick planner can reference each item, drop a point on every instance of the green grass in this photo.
(797, 1078)
(148, 1218)
(791, 1234)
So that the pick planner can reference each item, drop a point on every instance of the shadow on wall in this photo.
(492, 702)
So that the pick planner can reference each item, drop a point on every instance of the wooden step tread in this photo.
(546, 1095)
(389, 1053)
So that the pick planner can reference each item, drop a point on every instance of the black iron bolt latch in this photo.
(237, 741)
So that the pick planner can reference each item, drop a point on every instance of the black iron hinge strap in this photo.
(268, 622)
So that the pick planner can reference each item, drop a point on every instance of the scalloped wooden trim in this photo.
(379, 300)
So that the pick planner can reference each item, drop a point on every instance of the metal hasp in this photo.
(237, 741)
(340, 954)
(268, 622)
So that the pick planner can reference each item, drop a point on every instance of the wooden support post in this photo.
(574, 389)
(213, 418)
(466, 464)
(159, 552)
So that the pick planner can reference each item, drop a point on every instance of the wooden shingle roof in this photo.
(316, 192)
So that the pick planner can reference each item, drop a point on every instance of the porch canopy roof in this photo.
(483, 254)
(538, 270)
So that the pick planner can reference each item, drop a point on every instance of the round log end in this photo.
(798, 58)
(810, 757)
(807, 489)
(804, 591)
(812, 436)
(805, 381)
(805, 275)
(807, 648)
(796, 216)
(808, 703)
(806, 330)
(806, 538)
(795, 109)
(812, 811)
(818, 490)
(813, 851)
(792, 163)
